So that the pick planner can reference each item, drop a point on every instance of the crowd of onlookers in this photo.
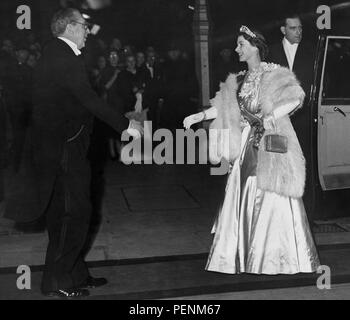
(132, 79)
(164, 83)
(127, 78)
(119, 72)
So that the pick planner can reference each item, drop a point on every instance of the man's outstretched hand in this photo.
(135, 129)
(137, 116)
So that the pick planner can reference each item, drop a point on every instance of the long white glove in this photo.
(269, 121)
(193, 119)
(209, 114)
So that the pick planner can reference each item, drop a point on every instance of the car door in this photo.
(333, 152)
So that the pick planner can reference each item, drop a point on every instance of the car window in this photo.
(336, 78)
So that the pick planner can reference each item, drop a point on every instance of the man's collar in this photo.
(73, 46)
(286, 42)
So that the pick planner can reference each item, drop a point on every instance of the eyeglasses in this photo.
(86, 25)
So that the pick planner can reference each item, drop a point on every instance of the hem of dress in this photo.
(309, 271)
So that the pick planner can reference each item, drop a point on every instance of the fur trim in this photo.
(279, 87)
(281, 173)
(225, 131)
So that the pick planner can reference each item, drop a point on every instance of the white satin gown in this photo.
(260, 232)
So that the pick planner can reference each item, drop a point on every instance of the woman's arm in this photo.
(208, 114)
(112, 80)
(285, 109)
(269, 120)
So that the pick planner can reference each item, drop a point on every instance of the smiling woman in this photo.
(257, 43)
(262, 227)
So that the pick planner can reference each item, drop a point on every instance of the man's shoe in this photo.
(91, 283)
(68, 293)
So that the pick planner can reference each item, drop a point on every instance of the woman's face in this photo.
(140, 58)
(131, 62)
(113, 58)
(245, 50)
(101, 62)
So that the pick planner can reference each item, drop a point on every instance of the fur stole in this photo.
(280, 173)
(225, 130)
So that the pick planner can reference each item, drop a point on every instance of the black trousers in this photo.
(68, 218)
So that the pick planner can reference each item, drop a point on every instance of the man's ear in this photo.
(69, 29)
(283, 30)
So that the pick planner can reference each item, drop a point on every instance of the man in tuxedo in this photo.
(63, 109)
(296, 54)
(153, 95)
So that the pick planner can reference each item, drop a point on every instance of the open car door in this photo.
(333, 136)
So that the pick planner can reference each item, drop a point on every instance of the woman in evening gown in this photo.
(262, 227)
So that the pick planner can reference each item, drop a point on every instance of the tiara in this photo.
(247, 31)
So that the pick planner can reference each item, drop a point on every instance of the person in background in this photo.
(179, 87)
(154, 89)
(8, 49)
(140, 60)
(130, 83)
(223, 67)
(129, 50)
(116, 45)
(19, 103)
(109, 87)
(101, 63)
(32, 61)
(7, 62)
(102, 47)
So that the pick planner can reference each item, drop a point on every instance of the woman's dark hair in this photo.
(258, 41)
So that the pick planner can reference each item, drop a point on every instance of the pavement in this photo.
(147, 211)
(154, 211)
(336, 292)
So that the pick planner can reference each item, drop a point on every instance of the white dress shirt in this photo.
(73, 46)
(290, 50)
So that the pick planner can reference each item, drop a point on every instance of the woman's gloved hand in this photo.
(269, 123)
(193, 119)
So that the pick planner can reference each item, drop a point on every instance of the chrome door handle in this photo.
(336, 109)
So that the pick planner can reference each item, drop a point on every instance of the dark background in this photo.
(162, 23)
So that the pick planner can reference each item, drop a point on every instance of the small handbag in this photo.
(276, 143)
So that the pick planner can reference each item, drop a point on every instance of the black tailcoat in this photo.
(56, 180)
(63, 104)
